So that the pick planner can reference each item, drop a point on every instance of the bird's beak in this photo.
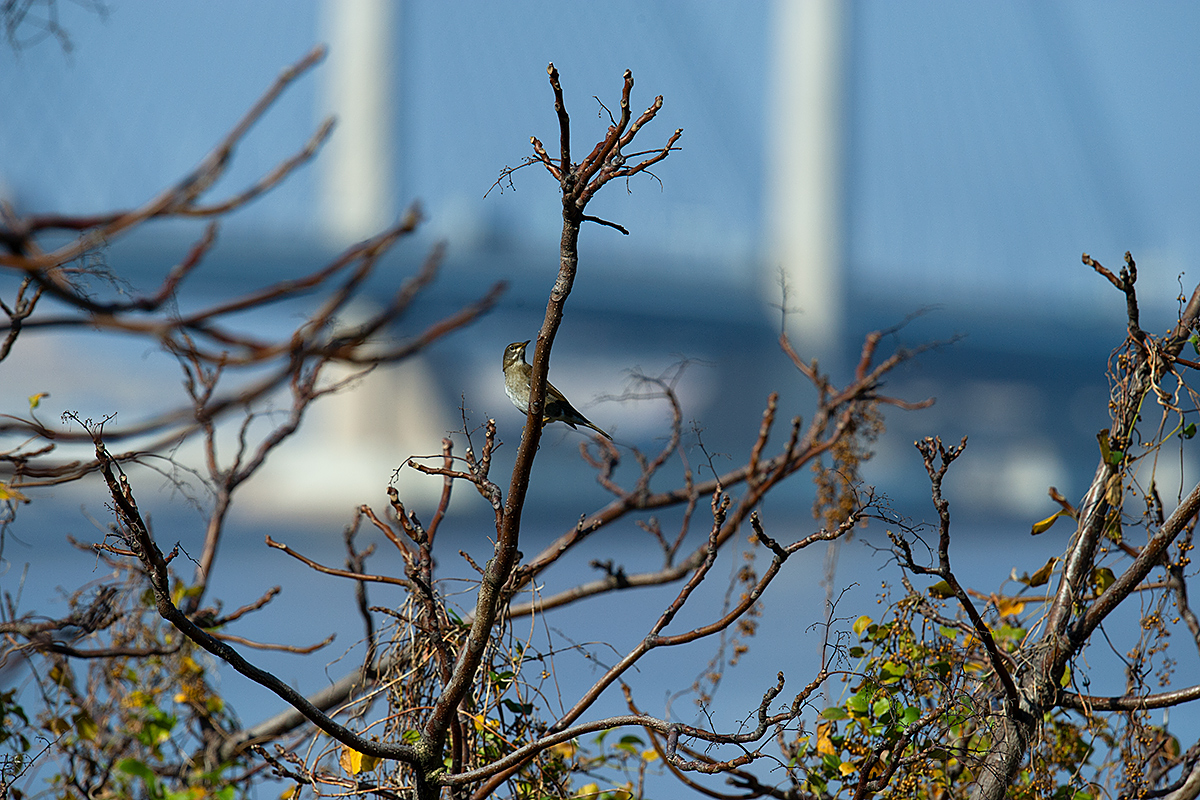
(526, 342)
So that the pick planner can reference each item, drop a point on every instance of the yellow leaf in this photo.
(9, 493)
(288, 793)
(941, 590)
(1042, 526)
(62, 677)
(846, 768)
(565, 749)
(1010, 606)
(482, 722)
(1040, 577)
(1066, 678)
(35, 400)
(1102, 578)
(589, 790)
(354, 762)
(824, 742)
(861, 624)
(649, 756)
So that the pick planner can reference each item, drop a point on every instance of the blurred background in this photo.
(945, 160)
(883, 159)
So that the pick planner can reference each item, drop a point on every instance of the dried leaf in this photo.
(1068, 509)
(1040, 577)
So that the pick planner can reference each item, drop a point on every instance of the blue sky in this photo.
(987, 145)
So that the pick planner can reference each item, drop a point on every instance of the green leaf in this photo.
(1189, 430)
(501, 679)
(878, 633)
(131, 766)
(863, 622)
(941, 590)
(835, 713)
(85, 726)
(1009, 632)
(524, 709)
(882, 708)
(156, 727)
(856, 652)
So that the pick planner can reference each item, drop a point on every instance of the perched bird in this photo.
(517, 373)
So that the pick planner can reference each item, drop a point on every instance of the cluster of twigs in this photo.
(446, 728)
(455, 699)
(227, 372)
(451, 700)
(1102, 566)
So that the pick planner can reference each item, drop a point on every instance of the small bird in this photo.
(517, 373)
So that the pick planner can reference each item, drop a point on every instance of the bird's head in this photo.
(515, 353)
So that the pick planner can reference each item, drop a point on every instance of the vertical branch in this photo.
(576, 191)
(564, 123)
(933, 451)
